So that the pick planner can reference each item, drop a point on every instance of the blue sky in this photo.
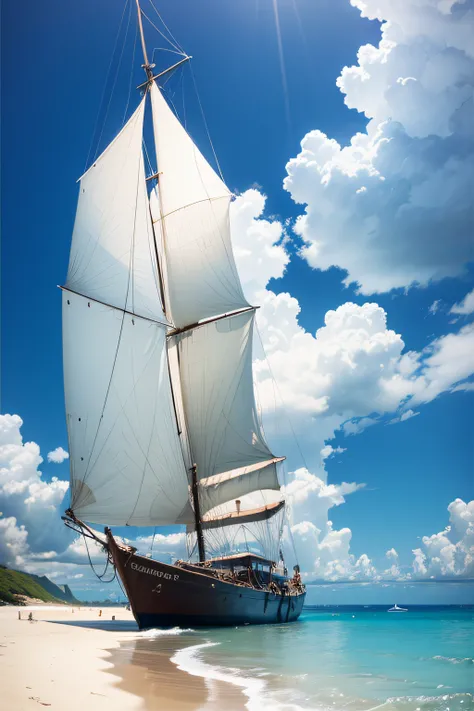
(413, 469)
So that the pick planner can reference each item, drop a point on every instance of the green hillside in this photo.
(13, 583)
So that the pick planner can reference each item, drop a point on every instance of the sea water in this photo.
(354, 659)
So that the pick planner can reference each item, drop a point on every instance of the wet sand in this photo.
(72, 658)
(166, 687)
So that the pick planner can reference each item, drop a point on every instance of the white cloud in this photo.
(308, 496)
(326, 555)
(449, 553)
(13, 541)
(446, 362)
(349, 374)
(393, 572)
(466, 306)
(322, 551)
(58, 455)
(406, 415)
(435, 307)
(393, 208)
(463, 387)
(328, 451)
(358, 425)
(30, 504)
(258, 251)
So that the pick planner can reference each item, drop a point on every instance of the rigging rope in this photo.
(152, 172)
(285, 409)
(167, 28)
(105, 84)
(152, 542)
(107, 563)
(178, 51)
(163, 49)
(131, 76)
(205, 124)
(115, 80)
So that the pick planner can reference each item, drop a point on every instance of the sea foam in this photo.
(255, 689)
(154, 633)
(454, 660)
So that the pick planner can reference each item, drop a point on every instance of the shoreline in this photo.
(70, 657)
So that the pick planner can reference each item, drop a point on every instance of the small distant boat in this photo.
(395, 608)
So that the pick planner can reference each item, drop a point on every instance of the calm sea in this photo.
(339, 658)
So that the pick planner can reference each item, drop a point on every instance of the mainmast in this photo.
(147, 66)
(194, 480)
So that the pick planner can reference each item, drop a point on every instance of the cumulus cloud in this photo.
(393, 572)
(463, 387)
(466, 306)
(257, 244)
(309, 496)
(29, 503)
(58, 455)
(13, 541)
(435, 307)
(393, 208)
(325, 554)
(406, 415)
(449, 553)
(351, 373)
(328, 451)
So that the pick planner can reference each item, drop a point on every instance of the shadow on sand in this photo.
(106, 625)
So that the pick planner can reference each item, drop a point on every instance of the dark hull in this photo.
(163, 595)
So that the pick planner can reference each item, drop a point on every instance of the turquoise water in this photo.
(347, 659)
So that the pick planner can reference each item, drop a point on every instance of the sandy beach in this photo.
(72, 658)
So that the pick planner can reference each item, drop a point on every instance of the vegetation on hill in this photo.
(14, 585)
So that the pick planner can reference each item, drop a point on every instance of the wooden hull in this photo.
(162, 595)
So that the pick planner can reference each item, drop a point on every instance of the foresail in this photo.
(113, 258)
(193, 213)
(229, 486)
(215, 364)
(126, 462)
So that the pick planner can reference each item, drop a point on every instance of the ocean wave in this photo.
(454, 660)
(453, 702)
(255, 689)
(153, 633)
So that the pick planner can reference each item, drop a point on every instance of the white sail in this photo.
(126, 461)
(194, 213)
(144, 403)
(113, 256)
(215, 361)
(229, 486)
(232, 518)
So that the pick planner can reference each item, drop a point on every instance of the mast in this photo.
(147, 67)
(197, 514)
(194, 482)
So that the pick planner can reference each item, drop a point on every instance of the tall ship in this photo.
(161, 415)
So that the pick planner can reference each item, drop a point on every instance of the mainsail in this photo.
(194, 217)
(158, 342)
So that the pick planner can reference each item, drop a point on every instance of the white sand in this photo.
(68, 667)
(58, 665)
